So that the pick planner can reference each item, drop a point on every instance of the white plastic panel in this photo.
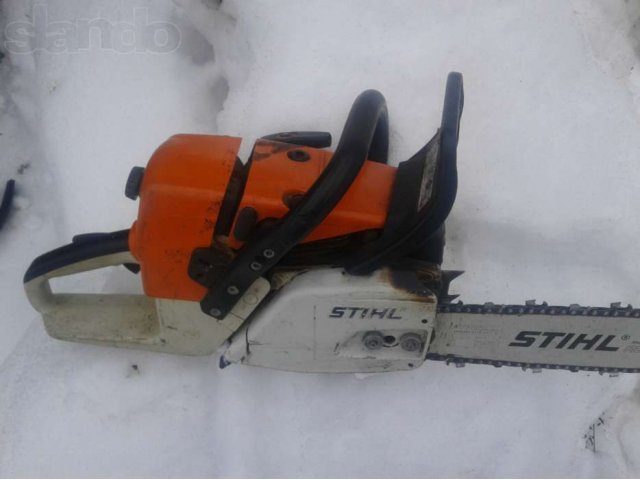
(318, 321)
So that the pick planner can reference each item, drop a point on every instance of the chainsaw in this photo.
(305, 260)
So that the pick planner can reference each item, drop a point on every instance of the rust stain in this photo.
(419, 285)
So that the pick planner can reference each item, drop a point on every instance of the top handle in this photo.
(365, 135)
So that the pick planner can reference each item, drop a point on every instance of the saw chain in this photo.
(615, 310)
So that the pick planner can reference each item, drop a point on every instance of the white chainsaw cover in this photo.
(318, 322)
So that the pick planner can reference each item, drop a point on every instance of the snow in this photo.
(548, 166)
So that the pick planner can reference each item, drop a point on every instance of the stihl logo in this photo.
(570, 341)
(359, 312)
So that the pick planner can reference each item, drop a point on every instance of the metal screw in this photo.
(269, 253)
(411, 342)
(233, 290)
(214, 312)
(255, 266)
(373, 340)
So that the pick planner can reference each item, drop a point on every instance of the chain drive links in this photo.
(531, 308)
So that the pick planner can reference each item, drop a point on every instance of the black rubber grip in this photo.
(83, 248)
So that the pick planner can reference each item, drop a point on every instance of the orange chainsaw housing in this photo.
(184, 187)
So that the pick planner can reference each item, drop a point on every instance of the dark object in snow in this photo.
(7, 198)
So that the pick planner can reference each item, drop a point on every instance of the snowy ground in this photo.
(549, 166)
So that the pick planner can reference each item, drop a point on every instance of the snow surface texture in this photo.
(548, 163)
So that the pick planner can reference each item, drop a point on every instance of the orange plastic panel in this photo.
(184, 185)
(181, 193)
(274, 176)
